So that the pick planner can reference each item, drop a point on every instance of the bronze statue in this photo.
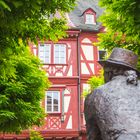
(112, 111)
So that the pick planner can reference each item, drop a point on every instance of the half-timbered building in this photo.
(68, 63)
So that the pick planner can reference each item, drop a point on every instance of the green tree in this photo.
(35, 135)
(94, 82)
(22, 86)
(122, 21)
(22, 82)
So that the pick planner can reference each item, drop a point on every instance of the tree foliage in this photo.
(35, 135)
(29, 19)
(22, 86)
(22, 82)
(94, 82)
(122, 21)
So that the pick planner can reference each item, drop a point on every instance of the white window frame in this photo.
(58, 61)
(90, 19)
(48, 46)
(52, 109)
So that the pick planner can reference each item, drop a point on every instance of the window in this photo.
(60, 54)
(44, 53)
(102, 54)
(52, 102)
(52, 53)
(90, 19)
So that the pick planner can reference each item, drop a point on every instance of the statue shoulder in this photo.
(116, 81)
(96, 92)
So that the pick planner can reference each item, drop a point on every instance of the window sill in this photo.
(90, 23)
(54, 113)
(55, 64)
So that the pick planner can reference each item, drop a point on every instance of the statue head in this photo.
(119, 61)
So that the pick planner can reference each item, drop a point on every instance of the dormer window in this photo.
(90, 16)
(90, 19)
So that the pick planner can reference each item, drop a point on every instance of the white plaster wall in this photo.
(84, 69)
(69, 125)
(70, 71)
(67, 91)
(59, 74)
(92, 68)
(86, 40)
(66, 103)
(82, 58)
(88, 52)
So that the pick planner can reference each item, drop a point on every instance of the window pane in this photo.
(41, 54)
(44, 52)
(46, 48)
(49, 99)
(57, 60)
(49, 102)
(90, 19)
(60, 53)
(56, 48)
(62, 60)
(41, 49)
(55, 108)
(62, 47)
(53, 101)
(56, 54)
(49, 108)
(46, 60)
(55, 95)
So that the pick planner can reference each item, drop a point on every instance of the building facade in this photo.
(68, 63)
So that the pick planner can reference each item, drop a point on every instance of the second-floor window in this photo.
(60, 54)
(89, 19)
(52, 102)
(52, 54)
(44, 53)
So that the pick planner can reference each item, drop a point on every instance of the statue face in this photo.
(113, 70)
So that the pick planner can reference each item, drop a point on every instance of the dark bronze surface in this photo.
(112, 111)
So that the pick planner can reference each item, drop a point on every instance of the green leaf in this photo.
(4, 5)
(17, 3)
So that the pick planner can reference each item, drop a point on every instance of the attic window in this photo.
(90, 19)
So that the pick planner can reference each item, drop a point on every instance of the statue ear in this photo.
(131, 77)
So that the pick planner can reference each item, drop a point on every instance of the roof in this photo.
(76, 17)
